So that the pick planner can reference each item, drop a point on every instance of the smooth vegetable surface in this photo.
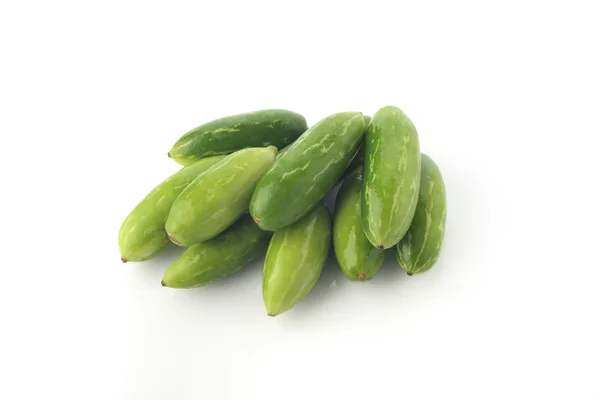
(282, 151)
(357, 257)
(229, 134)
(391, 177)
(295, 259)
(142, 234)
(359, 157)
(420, 248)
(218, 257)
(307, 171)
(218, 197)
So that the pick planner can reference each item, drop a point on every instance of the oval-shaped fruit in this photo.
(218, 257)
(391, 176)
(420, 248)
(359, 157)
(142, 235)
(295, 259)
(229, 134)
(307, 171)
(218, 197)
(357, 257)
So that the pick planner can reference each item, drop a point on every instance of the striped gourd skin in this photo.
(307, 171)
(142, 235)
(367, 120)
(218, 257)
(229, 134)
(359, 157)
(295, 259)
(392, 170)
(218, 197)
(357, 257)
(420, 248)
(282, 151)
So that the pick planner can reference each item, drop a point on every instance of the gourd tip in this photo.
(409, 273)
(172, 239)
(162, 283)
(362, 276)
(124, 260)
(169, 154)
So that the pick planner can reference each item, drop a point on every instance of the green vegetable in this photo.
(295, 259)
(307, 171)
(367, 120)
(392, 170)
(142, 235)
(218, 197)
(229, 134)
(357, 257)
(282, 151)
(359, 157)
(420, 248)
(218, 257)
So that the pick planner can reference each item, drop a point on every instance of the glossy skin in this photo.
(218, 257)
(295, 259)
(229, 134)
(359, 157)
(357, 257)
(282, 152)
(420, 248)
(142, 235)
(307, 171)
(392, 170)
(218, 197)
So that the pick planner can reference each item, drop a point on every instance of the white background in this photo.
(505, 96)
